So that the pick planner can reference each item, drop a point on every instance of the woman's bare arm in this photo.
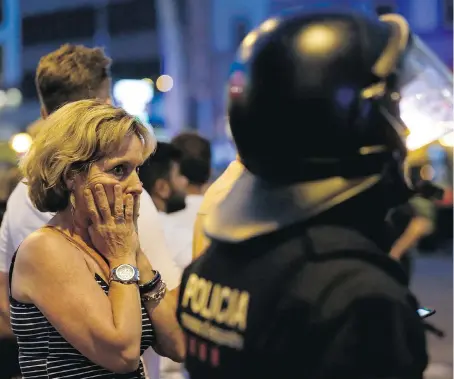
(52, 274)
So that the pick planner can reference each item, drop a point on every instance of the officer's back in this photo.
(313, 302)
(297, 282)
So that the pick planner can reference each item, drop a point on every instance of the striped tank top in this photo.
(45, 354)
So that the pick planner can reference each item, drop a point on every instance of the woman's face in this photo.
(118, 168)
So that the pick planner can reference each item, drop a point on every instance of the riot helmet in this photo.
(321, 108)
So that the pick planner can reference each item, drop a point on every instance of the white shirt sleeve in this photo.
(179, 240)
(19, 221)
(153, 242)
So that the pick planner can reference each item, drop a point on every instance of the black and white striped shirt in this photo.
(45, 354)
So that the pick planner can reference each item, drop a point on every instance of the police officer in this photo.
(296, 282)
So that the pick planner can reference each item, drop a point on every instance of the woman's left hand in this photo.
(144, 266)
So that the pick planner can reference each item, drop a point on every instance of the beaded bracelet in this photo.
(150, 286)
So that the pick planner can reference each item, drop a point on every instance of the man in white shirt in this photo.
(68, 74)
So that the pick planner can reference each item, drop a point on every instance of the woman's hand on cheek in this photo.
(113, 234)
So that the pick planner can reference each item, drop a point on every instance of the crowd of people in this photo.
(119, 258)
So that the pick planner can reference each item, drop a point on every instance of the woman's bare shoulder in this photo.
(44, 259)
(46, 247)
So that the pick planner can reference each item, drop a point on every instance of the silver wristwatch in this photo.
(125, 274)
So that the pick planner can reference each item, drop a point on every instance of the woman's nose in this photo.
(135, 185)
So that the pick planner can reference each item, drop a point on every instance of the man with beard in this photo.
(161, 177)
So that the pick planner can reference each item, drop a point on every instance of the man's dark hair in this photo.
(158, 165)
(70, 73)
(196, 157)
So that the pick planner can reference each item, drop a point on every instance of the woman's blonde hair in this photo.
(70, 140)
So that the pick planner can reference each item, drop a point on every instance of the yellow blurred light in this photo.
(247, 44)
(148, 80)
(164, 83)
(21, 142)
(250, 39)
(269, 25)
(317, 39)
(447, 140)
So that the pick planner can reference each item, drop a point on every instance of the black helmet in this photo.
(315, 112)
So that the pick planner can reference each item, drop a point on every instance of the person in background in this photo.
(410, 223)
(71, 73)
(162, 178)
(196, 166)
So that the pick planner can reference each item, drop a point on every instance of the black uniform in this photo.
(322, 302)
(297, 282)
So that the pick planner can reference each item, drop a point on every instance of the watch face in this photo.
(125, 272)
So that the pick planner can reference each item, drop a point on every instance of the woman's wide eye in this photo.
(118, 170)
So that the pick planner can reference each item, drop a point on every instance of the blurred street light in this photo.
(164, 83)
(134, 96)
(13, 97)
(21, 142)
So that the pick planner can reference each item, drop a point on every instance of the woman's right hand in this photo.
(113, 235)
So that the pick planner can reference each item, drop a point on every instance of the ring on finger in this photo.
(119, 219)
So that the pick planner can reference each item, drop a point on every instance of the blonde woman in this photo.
(79, 307)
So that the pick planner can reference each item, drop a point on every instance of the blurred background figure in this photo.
(410, 223)
(196, 166)
(162, 178)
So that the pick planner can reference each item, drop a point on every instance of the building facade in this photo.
(198, 49)
(232, 19)
(127, 29)
(10, 56)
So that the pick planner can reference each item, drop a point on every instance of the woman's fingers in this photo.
(129, 208)
(118, 203)
(102, 203)
(91, 206)
(136, 207)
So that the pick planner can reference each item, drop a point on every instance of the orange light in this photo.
(427, 172)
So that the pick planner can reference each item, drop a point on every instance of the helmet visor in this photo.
(426, 88)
